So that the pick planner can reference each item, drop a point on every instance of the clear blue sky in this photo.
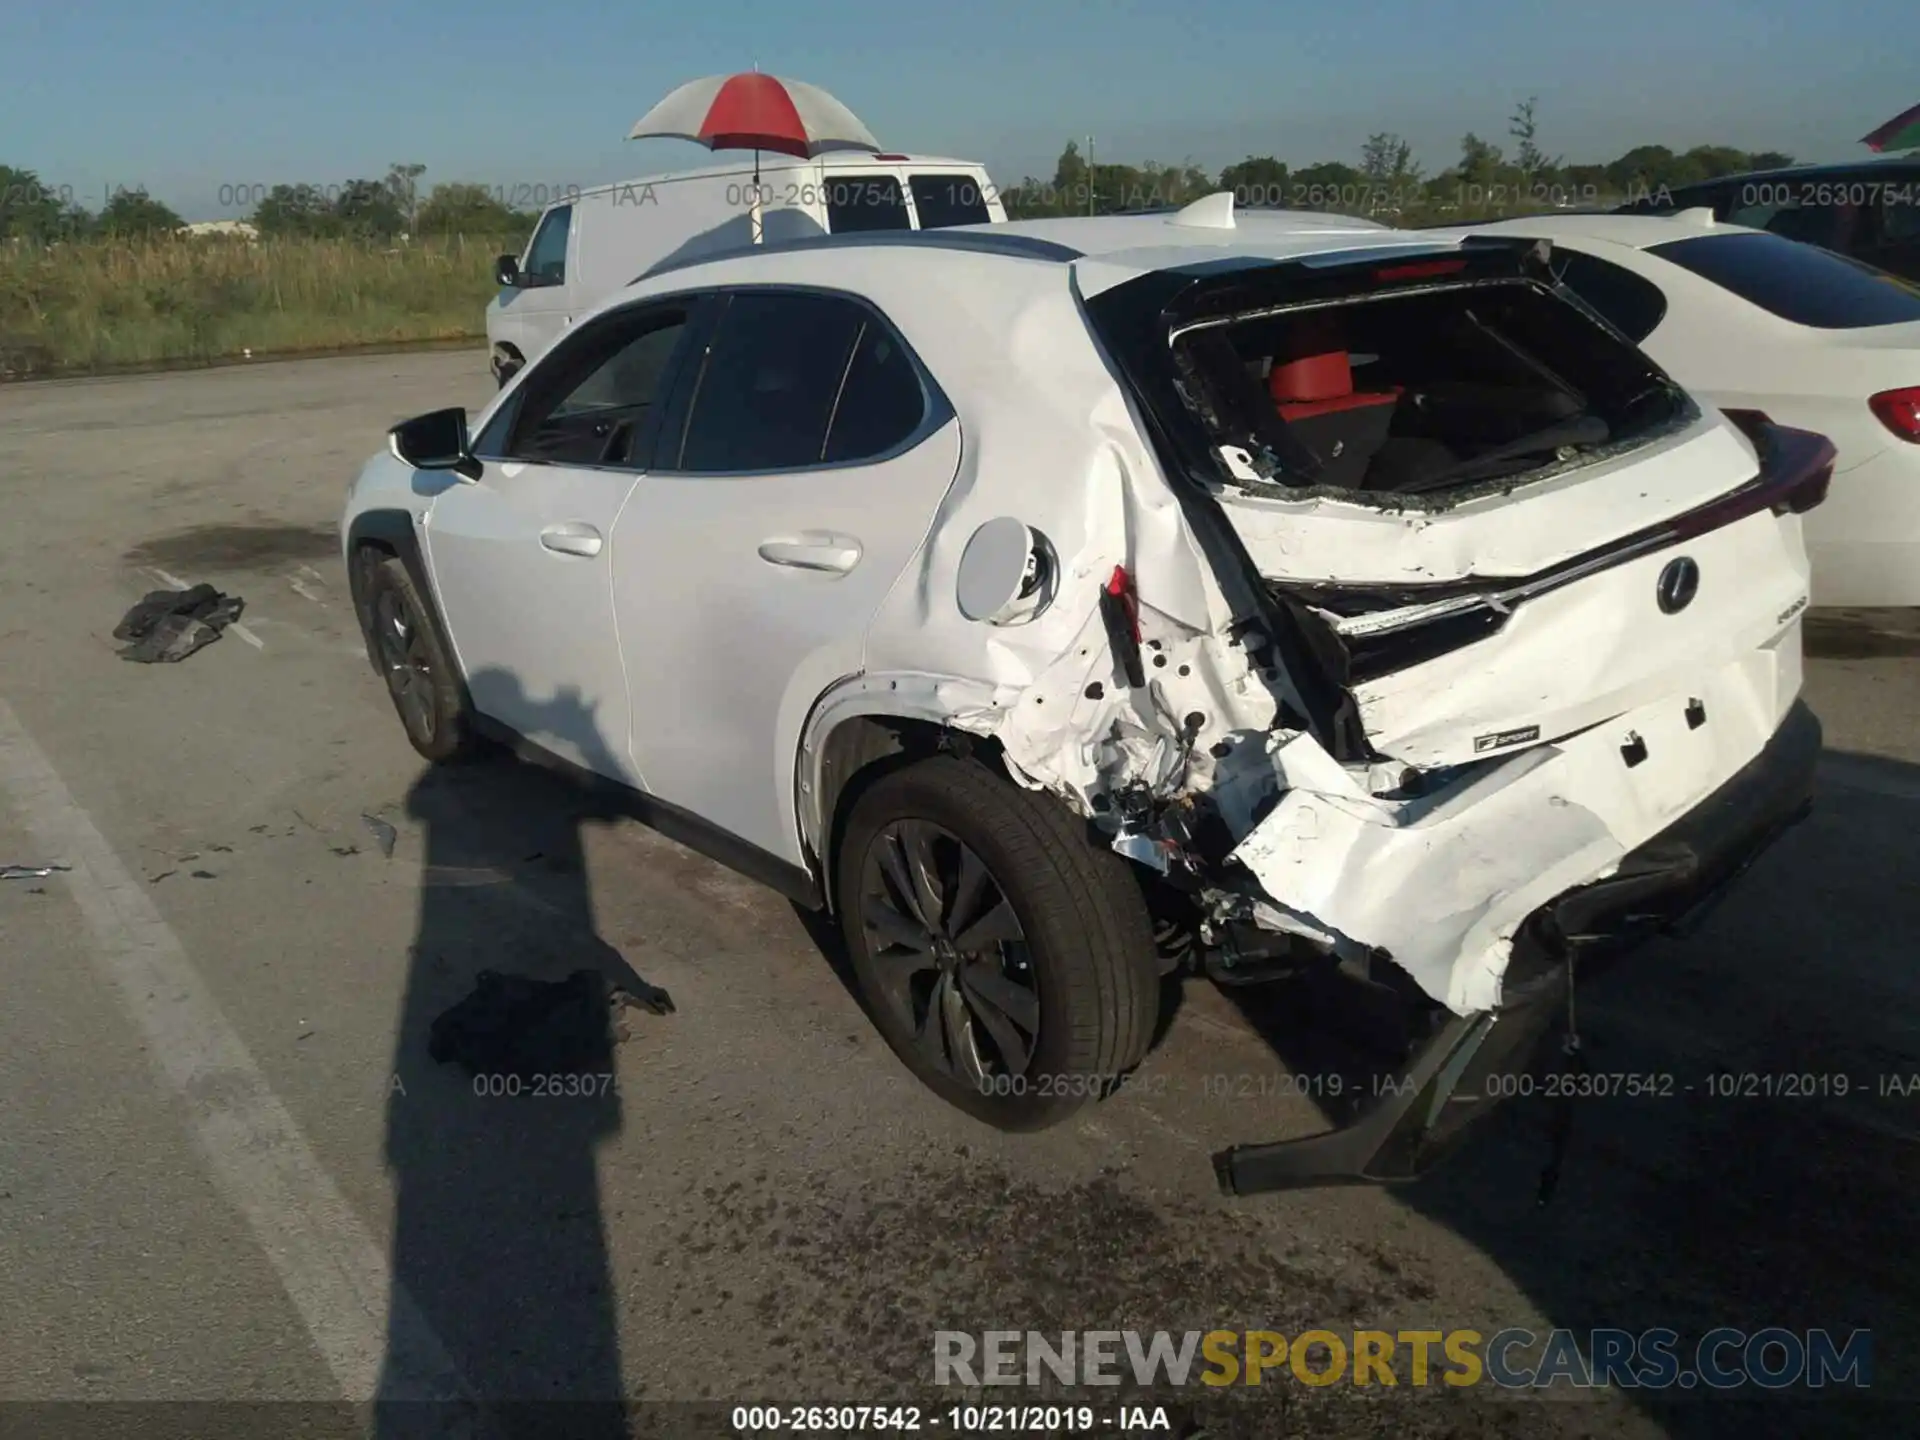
(196, 98)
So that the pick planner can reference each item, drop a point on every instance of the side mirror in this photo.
(435, 441)
(506, 270)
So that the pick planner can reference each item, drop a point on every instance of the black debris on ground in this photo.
(169, 625)
(516, 1025)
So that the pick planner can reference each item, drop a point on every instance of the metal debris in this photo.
(29, 872)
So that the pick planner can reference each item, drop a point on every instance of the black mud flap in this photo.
(1422, 1111)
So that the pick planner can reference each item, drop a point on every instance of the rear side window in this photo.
(1833, 226)
(1798, 283)
(943, 200)
(1900, 220)
(1632, 304)
(881, 403)
(870, 202)
(772, 375)
(547, 255)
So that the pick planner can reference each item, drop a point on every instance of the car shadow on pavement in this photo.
(499, 1258)
(1768, 1176)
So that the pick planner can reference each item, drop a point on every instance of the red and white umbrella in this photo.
(751, 111)
(756, 112)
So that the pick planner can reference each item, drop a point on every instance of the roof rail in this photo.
(979, 240)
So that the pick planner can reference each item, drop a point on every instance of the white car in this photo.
(589, 243)
(1062, 604)
(1751, 321)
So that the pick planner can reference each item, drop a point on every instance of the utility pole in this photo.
(1089, 174)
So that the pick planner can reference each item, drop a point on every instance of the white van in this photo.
(597, 240)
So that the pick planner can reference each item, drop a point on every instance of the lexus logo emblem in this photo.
(1677, 586)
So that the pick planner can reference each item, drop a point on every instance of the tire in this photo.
(414, 660)
(505, 364)
(1084, 951)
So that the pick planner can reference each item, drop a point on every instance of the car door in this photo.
(539, 307)
(522, 557)
(797, 473)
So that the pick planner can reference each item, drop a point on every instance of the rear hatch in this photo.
(1460, 501)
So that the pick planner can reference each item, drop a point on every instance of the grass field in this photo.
(98, 305)
(102, 305)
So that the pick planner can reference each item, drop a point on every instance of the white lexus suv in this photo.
(1064, 603)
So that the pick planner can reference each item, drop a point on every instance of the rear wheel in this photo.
(1008, 961)
(414, 661)
(505, 364)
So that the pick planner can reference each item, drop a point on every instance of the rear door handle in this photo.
(813, 550)
(572, 538)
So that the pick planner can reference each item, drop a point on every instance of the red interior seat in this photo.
(1312, 375)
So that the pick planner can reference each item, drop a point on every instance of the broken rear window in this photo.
(1422, 392)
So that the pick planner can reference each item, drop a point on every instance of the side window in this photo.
(881, 403)
(871, 202)
(594, 400)
(1900, 219)
(547, 254)
(1632, 304)
(943, 200)
(772, 374)
(1754, 217)
(1829, 226)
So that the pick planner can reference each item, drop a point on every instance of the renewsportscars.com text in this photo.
(1774, 1358)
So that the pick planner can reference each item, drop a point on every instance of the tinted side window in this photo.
(872, 202)
(1900, 219)
(1632, 304)
(943, 200)
(593, 400)
(547, 255)
(1828, 225)
(881, 403)
(772, 374)
(1799, 283)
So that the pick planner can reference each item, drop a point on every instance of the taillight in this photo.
(1899, 411)
(1802, 479)
(1752, 423)
(1120, 609)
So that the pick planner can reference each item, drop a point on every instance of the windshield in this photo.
(1799, 283)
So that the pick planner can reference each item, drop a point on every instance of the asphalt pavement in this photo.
(229, 1171)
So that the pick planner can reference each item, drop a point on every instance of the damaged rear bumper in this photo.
(1664, 885)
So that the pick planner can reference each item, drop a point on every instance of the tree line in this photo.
(1486, 178)
(31, 209)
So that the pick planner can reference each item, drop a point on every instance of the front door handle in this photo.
(573, 538)
(813, 550)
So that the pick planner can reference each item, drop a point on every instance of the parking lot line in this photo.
(367, 1330)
